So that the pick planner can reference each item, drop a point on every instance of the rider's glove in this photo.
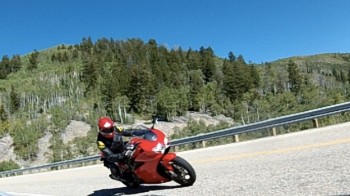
(118, 128)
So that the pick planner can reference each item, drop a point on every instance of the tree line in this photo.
(147, 78)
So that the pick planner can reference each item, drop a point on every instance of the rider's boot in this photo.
(115, 174)
(112, 176)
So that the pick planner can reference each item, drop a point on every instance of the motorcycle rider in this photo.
(110, 142)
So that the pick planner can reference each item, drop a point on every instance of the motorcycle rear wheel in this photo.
(186, 175)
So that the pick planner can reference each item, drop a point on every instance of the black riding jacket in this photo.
(112, 148)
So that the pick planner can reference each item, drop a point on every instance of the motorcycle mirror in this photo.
(154, 120)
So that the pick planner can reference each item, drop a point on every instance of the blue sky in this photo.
(260, 30)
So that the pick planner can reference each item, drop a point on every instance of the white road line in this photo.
(24, 194)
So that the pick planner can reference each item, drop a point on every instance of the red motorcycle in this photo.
(148, 161)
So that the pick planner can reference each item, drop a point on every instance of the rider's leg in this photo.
(115, 172)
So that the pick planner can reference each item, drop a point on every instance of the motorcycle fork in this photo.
(166, 161)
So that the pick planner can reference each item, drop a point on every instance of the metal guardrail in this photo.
(271, 123)
(51, 166)
(233, 131)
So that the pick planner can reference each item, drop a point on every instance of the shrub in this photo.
(8, 165)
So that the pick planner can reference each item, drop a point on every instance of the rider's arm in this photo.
(107, 152)
(134, 132)
(130, 132)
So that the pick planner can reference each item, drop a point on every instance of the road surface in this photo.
(311, 162)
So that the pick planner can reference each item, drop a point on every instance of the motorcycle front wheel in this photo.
(185, 174)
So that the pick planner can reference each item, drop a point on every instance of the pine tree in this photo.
(3, 70)
(295, 78)
(231, 57)
(228, 82)
(140, 91)
(254, 75)
(86, 45)
(236, 80)
(193, 60)
(16, 63)
(5, 67)
(90, 73)
(156, 63)
(240, 59)
(33, 60)
(6, 63)
(196, 84)
(177, 71)
(207, 64)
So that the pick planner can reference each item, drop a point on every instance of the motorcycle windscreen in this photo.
(150, 136)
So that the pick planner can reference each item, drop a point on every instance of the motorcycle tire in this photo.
(186, 175)
(130, 181)
(131, 184)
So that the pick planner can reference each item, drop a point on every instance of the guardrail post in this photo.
(203, 144)
(274, 132)
(176, 148)
(236, 138)
(315, 121)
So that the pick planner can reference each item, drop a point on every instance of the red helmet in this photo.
(105, 127)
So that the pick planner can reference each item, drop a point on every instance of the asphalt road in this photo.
(312, 162)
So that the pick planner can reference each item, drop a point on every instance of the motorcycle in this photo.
(149, 161)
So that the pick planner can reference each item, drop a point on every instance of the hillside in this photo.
(48, 97)
(330, 71)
